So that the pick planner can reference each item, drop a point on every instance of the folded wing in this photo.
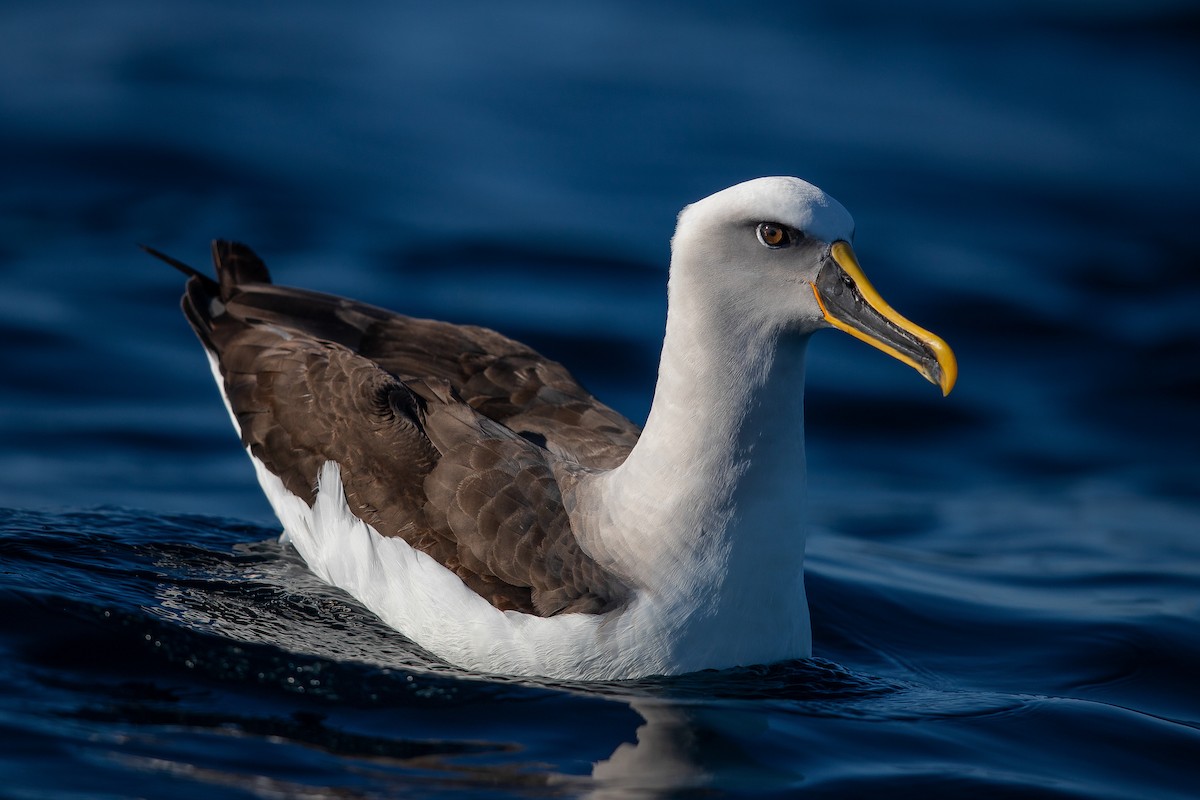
(450, 437)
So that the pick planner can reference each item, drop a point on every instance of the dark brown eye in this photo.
(773, 235)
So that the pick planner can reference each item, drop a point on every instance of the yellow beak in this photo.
(850, 303)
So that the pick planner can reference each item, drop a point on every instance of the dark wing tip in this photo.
(237, 264)
(202, 281)
(190, 271)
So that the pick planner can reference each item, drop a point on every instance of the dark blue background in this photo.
(1024, 180)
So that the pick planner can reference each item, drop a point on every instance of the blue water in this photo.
(1005, 584)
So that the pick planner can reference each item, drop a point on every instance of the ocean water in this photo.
(1005, 583)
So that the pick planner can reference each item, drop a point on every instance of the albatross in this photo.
(470, 493)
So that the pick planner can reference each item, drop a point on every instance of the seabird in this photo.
(474, 496)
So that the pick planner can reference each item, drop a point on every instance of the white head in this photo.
(721, 250)
(790, 201)
(774, 254)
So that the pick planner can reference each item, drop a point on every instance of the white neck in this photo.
(712, 497)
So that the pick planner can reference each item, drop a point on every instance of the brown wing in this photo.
(501, 378)
(313, 378)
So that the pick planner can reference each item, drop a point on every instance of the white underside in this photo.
(670, 626)
(416, 595)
